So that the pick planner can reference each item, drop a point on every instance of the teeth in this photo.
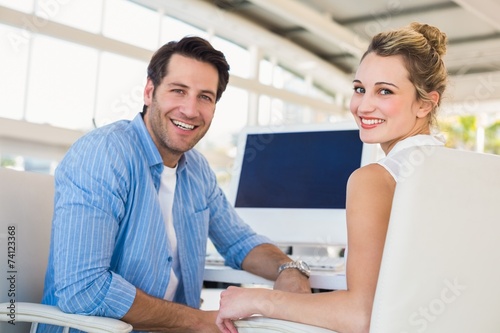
(183, 125)
(371, 121)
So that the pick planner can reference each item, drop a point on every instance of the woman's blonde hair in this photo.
(422, 47)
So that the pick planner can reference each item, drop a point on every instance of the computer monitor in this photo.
(289, 183)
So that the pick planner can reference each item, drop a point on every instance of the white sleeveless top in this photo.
(409, 153)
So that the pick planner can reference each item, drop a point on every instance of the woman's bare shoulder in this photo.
(373, 171)
(369, 180)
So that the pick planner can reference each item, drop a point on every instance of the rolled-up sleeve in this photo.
(231, 236)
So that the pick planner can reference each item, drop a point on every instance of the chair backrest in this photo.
(440, 268)
(26, 206)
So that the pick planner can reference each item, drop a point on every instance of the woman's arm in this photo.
(369, 200)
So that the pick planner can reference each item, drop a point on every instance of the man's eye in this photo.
(206, 97)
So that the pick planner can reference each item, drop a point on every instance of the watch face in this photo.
(304, 265)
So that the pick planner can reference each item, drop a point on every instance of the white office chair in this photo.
(26, 205)
(266, 325)
(439, 269)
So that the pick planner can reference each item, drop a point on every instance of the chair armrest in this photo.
(258, 324)
(47, 314)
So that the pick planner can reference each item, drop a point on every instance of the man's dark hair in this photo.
(190, 47)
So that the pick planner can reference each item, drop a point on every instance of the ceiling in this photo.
(324, 39)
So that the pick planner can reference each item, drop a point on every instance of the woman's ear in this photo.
(427, 106)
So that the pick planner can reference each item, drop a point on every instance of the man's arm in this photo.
(241, 246)
(149, 313)
(265, 259)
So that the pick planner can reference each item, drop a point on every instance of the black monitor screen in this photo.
(298, 169)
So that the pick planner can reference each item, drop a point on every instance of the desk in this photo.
(319, 279)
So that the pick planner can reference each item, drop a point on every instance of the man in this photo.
(135, 204)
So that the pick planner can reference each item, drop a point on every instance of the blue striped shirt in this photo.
(108, 233)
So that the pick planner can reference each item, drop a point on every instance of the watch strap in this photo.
(298, 265)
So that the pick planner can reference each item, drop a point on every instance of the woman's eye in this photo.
(385, 92)
(359, 90)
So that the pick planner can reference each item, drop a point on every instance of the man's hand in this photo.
(153, 314)
(264, 260)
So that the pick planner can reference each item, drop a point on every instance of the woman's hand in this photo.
(236, 303)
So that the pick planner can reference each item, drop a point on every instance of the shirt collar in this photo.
(418, 140)
(150, 150)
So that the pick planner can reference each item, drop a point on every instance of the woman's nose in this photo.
(366, 104)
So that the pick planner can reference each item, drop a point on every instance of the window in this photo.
(285, 79)
(82, 14)
(21, 5)
(65, 84)
(22, 163)
(230, 117)
(266, 69)
(219, 143)
(120, 88)
(14, 66)
(173, 29)
(61, 85)
(130, 23)
(237, 56)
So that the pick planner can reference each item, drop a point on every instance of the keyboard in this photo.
(322, 263)
(316, 263)
(214, 259)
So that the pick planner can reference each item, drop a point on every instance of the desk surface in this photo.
(330, 280)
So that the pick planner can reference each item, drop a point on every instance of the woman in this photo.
(397, 90)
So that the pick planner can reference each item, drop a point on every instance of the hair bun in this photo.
(436, 38)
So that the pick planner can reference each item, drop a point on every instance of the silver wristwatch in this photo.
(298, 264)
